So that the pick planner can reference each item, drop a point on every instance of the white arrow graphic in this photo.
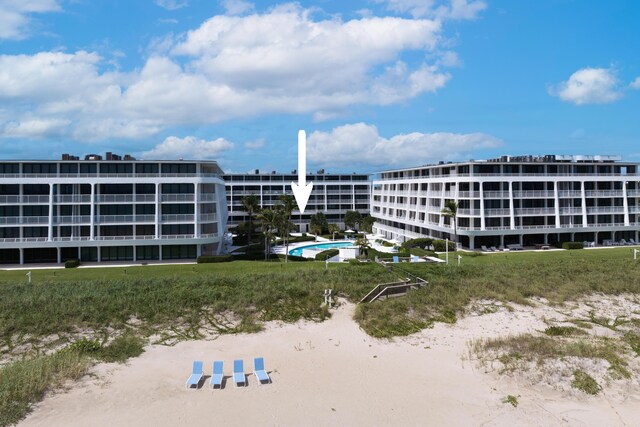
(302, 190)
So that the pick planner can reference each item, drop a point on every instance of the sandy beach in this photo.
(332, 373)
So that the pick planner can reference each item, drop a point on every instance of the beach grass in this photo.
(25, 382)
(556, 276)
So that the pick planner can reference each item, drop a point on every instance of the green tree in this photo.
(451, 210)
(288, 205)
(352, 218)
(367, 223)
(251, 205)
(269, 221)
(318, 223)
(333, 229)
(364, 245)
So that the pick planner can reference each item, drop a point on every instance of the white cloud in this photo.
(451, 9)
(35, 128)
(361, 143)
(188, 147)
(279, 62)
(172, 4)
(254, 145)
(589, 86)
(237, 7)
(15, 16)
(635, 84)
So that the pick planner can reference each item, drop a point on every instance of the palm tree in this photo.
(288, 204)
(363, 243)
(269, 220)
(251, 205)
(333, 229)
(451, 210)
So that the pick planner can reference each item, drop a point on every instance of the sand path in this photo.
(328, 374)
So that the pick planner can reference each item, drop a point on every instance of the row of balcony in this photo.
(105, 238)
(529, 211)
(105, 198)
(498, 176)
(109, 175)
(517, 194)
(106, 219)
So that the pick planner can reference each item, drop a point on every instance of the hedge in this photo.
(205, 259)
(71, 263)
(440, 246)
(329, 253)
(422, 242)
(421, 252)
(573, 245)
(294, 258)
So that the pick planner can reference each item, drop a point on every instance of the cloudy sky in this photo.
(377, 84)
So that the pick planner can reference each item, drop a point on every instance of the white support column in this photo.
(196, 210)
(59, 254)
(482, 220)
(557, 203)
(98, 254)
(21, 214)
(134, 212)
(21, 250)
(583, 193)
(625, 204)
(157, 222)
(50, 231)
(512, 209)
(92, 213)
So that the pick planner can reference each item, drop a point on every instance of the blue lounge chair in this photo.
(238, 373)
(259, 371)
(216, 376)
(196, 374)
(395, 259)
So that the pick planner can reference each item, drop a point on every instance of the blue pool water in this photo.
(320, 246)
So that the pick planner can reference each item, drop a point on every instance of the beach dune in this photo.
(328, 374)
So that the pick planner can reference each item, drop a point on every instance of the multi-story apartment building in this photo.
(333, 194)
(111, 209)
(522, 200)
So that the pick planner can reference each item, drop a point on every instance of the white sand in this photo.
(332, 373)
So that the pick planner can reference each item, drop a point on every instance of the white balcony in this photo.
(177, 198)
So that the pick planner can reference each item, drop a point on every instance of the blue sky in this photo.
(377, 84)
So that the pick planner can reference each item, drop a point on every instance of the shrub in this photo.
(585, 382)
(206, 259)
(71, 263)
(354, 262)
(294, 258)
(253, 256)
(422, 242)
(572, 245)
(329, 253)
(84, 345)
(440, 246)
(121, 349)
(563, 331)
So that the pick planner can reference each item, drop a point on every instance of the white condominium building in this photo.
(333, 195)
(525, 200)
(111, 209)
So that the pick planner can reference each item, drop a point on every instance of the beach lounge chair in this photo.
(623, 242)
(494, 249)
(259, 371)
(196, 374)
(216, 375)
(238, 373)
(395, 259)
(415, 258)
(484, 248)
(632, 242)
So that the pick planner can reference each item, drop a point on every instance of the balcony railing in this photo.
(73, 198)
(605, 209)
(178, 218)
(72, 219)
(569, 193)
(177, 198)
(604, 193)
(535, 211)
(17, 200)
(24, 220)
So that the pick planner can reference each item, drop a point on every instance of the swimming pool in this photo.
(320, 247)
